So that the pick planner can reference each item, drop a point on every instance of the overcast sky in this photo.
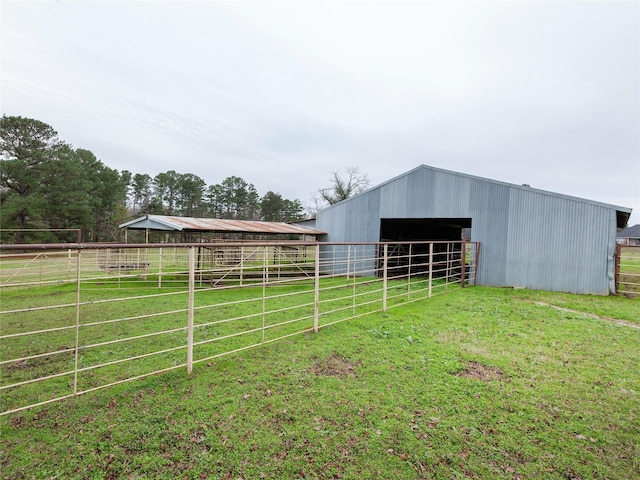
(282, 94)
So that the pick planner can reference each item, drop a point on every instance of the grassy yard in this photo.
(477, 383)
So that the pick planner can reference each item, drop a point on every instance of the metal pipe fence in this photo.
(81, 317)
(627, 275)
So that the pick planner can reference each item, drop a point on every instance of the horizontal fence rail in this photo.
(628, 270)
(81, 317)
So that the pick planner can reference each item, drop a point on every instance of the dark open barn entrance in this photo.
(431, 229)
(449, 231)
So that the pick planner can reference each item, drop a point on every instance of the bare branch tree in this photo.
(342, 187)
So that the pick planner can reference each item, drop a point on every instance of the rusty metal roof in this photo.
(190, 224)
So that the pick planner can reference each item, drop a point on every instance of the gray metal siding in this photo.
(529, 238)
(333, 223)
(359, 220)
(393, 199)
(419, 194)
(557, 244)
(489, 213)
(451, 196)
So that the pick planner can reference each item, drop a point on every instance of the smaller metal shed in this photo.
(216, 228)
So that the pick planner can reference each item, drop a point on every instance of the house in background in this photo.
(528, 237)
(629, 236)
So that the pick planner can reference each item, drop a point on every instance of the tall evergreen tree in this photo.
(189, 196)
(141, 193)
(293, 211)
(240, 199)
(46, 184)
(107, 190)
(166, 190)
(272, 207)
(214, 201)
(26, 146)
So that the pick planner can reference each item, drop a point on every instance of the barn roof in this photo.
(191, 224)
(622, 213)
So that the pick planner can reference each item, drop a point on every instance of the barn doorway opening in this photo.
(449, 232)
(429, 229)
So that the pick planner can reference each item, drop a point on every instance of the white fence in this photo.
(78, 318)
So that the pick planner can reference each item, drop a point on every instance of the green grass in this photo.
(478, 383)
(123, 319)
(612, 307)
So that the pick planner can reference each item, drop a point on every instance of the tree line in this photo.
(45, 183)
(172, 193)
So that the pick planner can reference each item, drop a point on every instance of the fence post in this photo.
(409, 272)
(316, 288)
(430, 267)
(353, 298)
(192, 281)
(68, 264)
(160, 268)
(241, 264)
(449, 264)
(265, 276)
(476, 260)
(463, 259)
(616, 261)
(200, 264)
(385, 277)
(77, 346)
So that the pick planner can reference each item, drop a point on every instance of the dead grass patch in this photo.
(478, 371)
(335, 366)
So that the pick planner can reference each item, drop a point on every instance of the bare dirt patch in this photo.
(478, 371)
(335, 365)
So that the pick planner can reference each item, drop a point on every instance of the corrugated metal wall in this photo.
(529, 238)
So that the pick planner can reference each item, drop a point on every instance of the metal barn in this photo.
(528, 237)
